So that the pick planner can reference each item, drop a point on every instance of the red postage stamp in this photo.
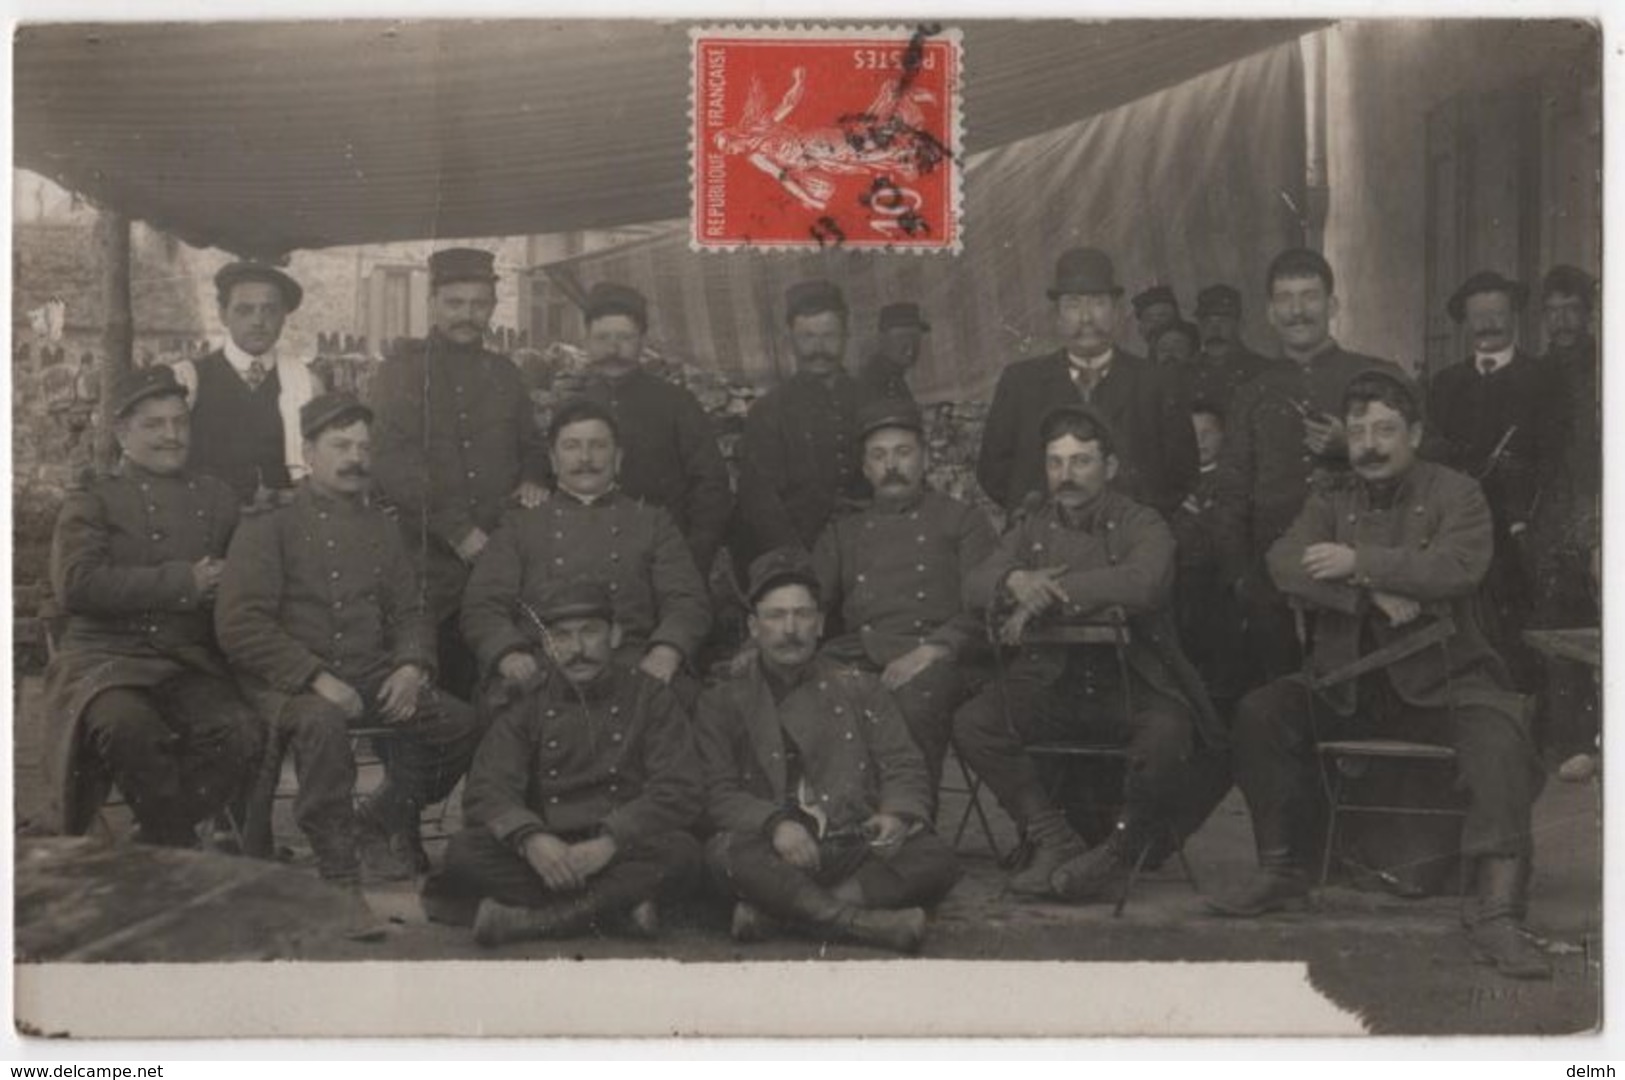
(818, 137)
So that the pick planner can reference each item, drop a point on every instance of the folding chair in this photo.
(1110, 629)
(972, 791)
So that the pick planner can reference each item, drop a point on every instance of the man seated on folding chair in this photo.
(1400, 547)
(1086, 550)
(580, 795)
(138, 694)
(322, 617)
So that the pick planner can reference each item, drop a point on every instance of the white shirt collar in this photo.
(1501, 359)
(1098, 364)
(240, 360)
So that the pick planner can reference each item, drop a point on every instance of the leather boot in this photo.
(1054, 843)
(361, 923)
(901, 931)
(1102, 872)
(1279, 884)
(786, 893)
(387, 854)
(1495, 934)
(643, 921)
(499, 924)
(751, 923)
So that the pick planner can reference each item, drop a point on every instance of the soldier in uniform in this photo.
(1155, 310)
(1151, 425)
(885, 373)
(893, 570)
(1089, 549)
(819, 798)
(246, 395)
(457, 443)
(1283, 435)
(588, 530)
(321, 615)
(138, 694)
(1176, 345)
(1224, 363)
(1380, 556)
(668, 444)
(798, 458)
(578, 798)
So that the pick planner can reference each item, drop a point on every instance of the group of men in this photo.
(527, 608)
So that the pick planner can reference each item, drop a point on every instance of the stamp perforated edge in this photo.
(954, 86)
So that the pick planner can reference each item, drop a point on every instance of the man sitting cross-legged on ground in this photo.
(1088, 549)
(819, 796)
(577, 800)
(1402, 544)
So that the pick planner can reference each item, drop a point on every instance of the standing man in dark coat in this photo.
(138, 693)
(246, 395)
(1398, 546)
(578, 798)
(1151, 427)
(885, 373)
(818, 796)
(669, 454)
(1155, 310)
(1086, 551)
(324, 622)
(1283, 439)
(798, 458)
(457, 444)
(894, 569)
(1224, 363)
(588, 531)
(1497, 416)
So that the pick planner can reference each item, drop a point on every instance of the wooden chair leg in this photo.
(1331, 825)
(1128, 886)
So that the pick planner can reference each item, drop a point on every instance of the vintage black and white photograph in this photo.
(882, 498)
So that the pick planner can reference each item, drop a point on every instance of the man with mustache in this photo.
(1223, 363)
(324, 622)
(588, 530)
(1089, 549)
(818, 797)
(669, 452)
(893, 570)
(1498, 417)
(797, 460)
(577, 803)
(1151, 425)
(246, 395)
(457, 443)
(1155, 310)
(1283, 439)
(1400, 545)
(885, 374)
(138, 694)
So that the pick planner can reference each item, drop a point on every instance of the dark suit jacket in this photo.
(1156, 446)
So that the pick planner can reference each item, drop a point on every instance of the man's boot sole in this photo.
(1286, 905)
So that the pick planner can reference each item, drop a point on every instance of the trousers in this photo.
(918, 873)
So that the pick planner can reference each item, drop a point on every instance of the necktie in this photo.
(254, 375)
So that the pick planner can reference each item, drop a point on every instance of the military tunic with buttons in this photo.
(633, 547)
(121, 569)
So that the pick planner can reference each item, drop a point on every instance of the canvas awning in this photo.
(262, 138)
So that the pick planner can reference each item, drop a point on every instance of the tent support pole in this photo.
(118, 328)
(1316, 182)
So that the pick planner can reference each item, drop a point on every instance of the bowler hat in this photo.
(813, 298)
(139, 384)
(451, 265)
(884, 412)
(1084, 272)
(1570, 281)
(1482, 282)
(1156, 294)
(578, 599)
(608, 298)
(781, 566)
(893, 316)
(1218, 300)
(233, 274)
(329, 410)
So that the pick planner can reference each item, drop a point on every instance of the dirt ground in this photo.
(1402, 966)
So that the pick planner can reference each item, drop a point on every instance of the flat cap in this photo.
(233, 274)
(608, 298)
(813, 298)
(1156, 294)
(320, 413)
(450, 265)
(781, 566)
(139, 384)
(903, 314)
(1486, 281)
(1218, 300)
(580, 599)
(1084, 272)
(878, 413)
(1570, 281)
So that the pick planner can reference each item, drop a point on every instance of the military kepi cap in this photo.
(451, 265)
(878, 413)
(815, 297)
(328, 410)
(608, 298)
(781, 566)
(1156, 294)
(138, 385)
(579, 599)
(1218, 300)
(233, 274)
(1483, 282)
(1570, 281)
(894, 316)
(1084, 272)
